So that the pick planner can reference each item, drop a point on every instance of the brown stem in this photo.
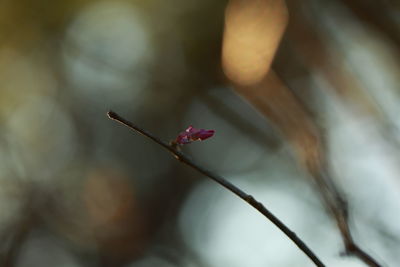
(298, 126)
(337, 205)
(222, 181)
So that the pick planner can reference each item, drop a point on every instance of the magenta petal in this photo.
(183, 138)
(190, 129)
(204, 134)
(192, 134)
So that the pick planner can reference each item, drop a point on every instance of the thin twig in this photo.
(222, 181)
(333, 199)
(337, 205)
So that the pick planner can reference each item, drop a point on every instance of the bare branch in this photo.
(222, 181)
(337, 205)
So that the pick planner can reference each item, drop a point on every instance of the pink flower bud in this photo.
(192, 134)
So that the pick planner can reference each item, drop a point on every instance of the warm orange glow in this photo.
(253, 29)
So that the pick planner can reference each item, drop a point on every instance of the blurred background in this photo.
(78, 190)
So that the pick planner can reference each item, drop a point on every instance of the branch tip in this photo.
(112, 115)
(225, 183)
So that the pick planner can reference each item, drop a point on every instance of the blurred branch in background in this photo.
(329, 108)
(246, 61)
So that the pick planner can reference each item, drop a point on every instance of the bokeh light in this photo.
(291, 88)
